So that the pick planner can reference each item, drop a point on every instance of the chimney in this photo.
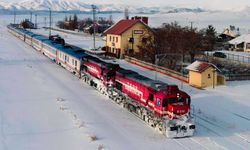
(141, 18)
(126, 13)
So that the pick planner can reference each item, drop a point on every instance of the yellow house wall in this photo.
(206, 81)
(195, 78)
(113, 41)
(137, 37)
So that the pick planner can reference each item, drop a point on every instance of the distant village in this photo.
(170, 46)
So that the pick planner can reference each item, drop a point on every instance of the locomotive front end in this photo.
(176, 107)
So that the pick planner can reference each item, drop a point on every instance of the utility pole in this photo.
(182, 71)
(14, 16)
(49, 22)
(94, 24)
(31, 16)
(45, 21)
(35, 20)
(191, 23)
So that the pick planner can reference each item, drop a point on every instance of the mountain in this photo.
(78, 5)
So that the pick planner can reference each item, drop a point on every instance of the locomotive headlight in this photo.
(178, 95)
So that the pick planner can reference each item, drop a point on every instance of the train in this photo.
(162, 106)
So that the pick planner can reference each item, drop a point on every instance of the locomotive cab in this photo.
(172, 102)
(108, 73)
(175, 105)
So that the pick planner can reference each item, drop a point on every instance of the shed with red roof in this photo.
(202, 74)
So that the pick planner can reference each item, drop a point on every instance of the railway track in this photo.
(231, 139)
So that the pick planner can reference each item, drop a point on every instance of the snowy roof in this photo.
(199, 66)
(240, 39)
(229, 32)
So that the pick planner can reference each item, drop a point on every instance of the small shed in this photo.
(202, 74)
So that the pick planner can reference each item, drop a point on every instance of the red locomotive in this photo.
(162, 106)
(98, 73)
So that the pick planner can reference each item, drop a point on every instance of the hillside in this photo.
(77, 5)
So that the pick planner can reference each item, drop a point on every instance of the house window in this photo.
(75, 63)
(113, 50)
(110, 38)
(209, 76)
(116, 39)
(72, 61)
(144, 40)
(113, 38)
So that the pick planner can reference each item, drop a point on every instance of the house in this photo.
(228, 35)
(125, 36)
(27, 24)
(241, 43)
(203, 74)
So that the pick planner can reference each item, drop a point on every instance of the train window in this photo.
(181, 99)
(151, 97)
(172, 100)
(165, 103)
(158, 101)
(187, 101)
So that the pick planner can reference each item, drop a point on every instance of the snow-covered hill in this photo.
(78, 5)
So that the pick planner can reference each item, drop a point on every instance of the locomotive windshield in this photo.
(172, 100)
(179, 100)
(165, 103)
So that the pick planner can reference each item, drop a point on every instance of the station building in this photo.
(125, 36)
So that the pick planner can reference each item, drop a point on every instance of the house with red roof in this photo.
(125, 36)
(204, 74)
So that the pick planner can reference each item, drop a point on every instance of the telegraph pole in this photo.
(94, 24)
(35, 20)
(191, 23)
(49, 22)
(45, 22)
(31, 16)
(14, 16)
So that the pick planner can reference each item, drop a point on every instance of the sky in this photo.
(205, 4)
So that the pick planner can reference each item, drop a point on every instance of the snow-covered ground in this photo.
(43, 106)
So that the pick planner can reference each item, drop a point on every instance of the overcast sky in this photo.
(207, 4)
